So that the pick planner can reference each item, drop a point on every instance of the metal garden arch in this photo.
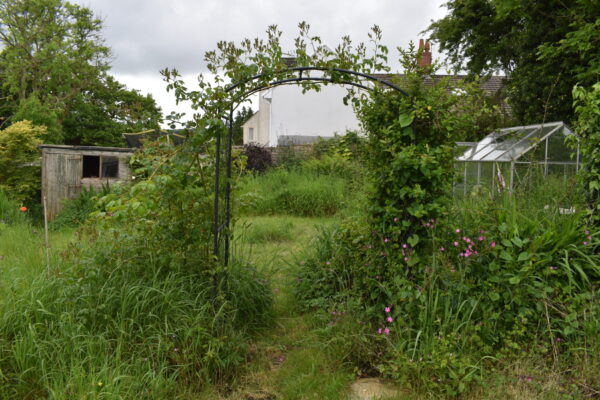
(221, 231)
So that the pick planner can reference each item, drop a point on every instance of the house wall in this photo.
(285, 110)
(62, 173)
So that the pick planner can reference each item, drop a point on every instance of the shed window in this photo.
(100, 167)
(250, 134)
(110, 167)
(91, 166)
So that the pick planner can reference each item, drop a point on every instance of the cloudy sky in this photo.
(149, 35)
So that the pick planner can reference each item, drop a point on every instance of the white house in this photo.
(287, 116)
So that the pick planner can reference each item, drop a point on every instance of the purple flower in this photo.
(390, 319)
(386, 240)
(386, 331)
(387, 309)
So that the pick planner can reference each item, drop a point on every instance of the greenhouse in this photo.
(510, 157)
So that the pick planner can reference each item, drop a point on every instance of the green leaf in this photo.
(524, 256)
(506, 256)
(405, 120)
(515, 280)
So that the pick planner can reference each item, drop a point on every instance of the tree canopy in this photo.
(54, 68)
(545, 46)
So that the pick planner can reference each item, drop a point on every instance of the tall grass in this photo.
(292, 192)
(93, 326)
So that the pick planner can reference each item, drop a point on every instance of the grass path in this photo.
(289, 361)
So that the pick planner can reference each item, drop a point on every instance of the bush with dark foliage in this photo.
(258, 157)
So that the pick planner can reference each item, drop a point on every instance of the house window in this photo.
(100, 167)
(250, 134)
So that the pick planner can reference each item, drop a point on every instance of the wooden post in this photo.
(46, 235)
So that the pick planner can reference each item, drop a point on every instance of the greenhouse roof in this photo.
(508, 144)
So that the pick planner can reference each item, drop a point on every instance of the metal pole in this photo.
(228, 188)
(216, 204)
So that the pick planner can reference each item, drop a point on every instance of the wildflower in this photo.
(587, 232)
(100, 384)
(23, 209)
(405, 258)
(387, 309)
(333, 313)
(404, 246)
(558, 339)
(386, 331)
(395, 219)
(455, 244)
(553, 268)
(328, 263)
(175, 349)
(386, 240)
(589, 237)
(529, 379)
(457, 230)
(481, 238)
(442, 249)
(390, 319)
(379, 331)
(493, 244)
(481, 231)
(585, 243)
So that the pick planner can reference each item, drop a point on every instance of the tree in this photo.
(241, 117)
(102, 112)
(545, 46)
(54, 71)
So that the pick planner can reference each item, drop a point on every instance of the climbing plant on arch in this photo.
(410, 128)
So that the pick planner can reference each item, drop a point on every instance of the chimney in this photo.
(425, 57)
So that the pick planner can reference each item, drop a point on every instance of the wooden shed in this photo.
(66, 170)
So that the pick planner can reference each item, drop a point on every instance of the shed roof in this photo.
(86, 148)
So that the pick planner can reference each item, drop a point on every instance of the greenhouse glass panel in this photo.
(516, 156)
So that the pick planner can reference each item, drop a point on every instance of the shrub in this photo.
(19, 173)
(76, 211)
(502, 279)
(258, 158)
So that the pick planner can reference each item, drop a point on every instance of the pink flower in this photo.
(442, 249)
(493, 244)
(558, 339)
(379, 331)
(390, 319)
(395, 219)
(386, 240)
(404, 246)
(457, 230)
(386, 331)
(455, 244)
(481, 238)
(585, 243)
(529, 379)
(328, 263)
(387, 309)
(587, 232)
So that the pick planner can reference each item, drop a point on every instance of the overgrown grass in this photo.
(292, 192)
